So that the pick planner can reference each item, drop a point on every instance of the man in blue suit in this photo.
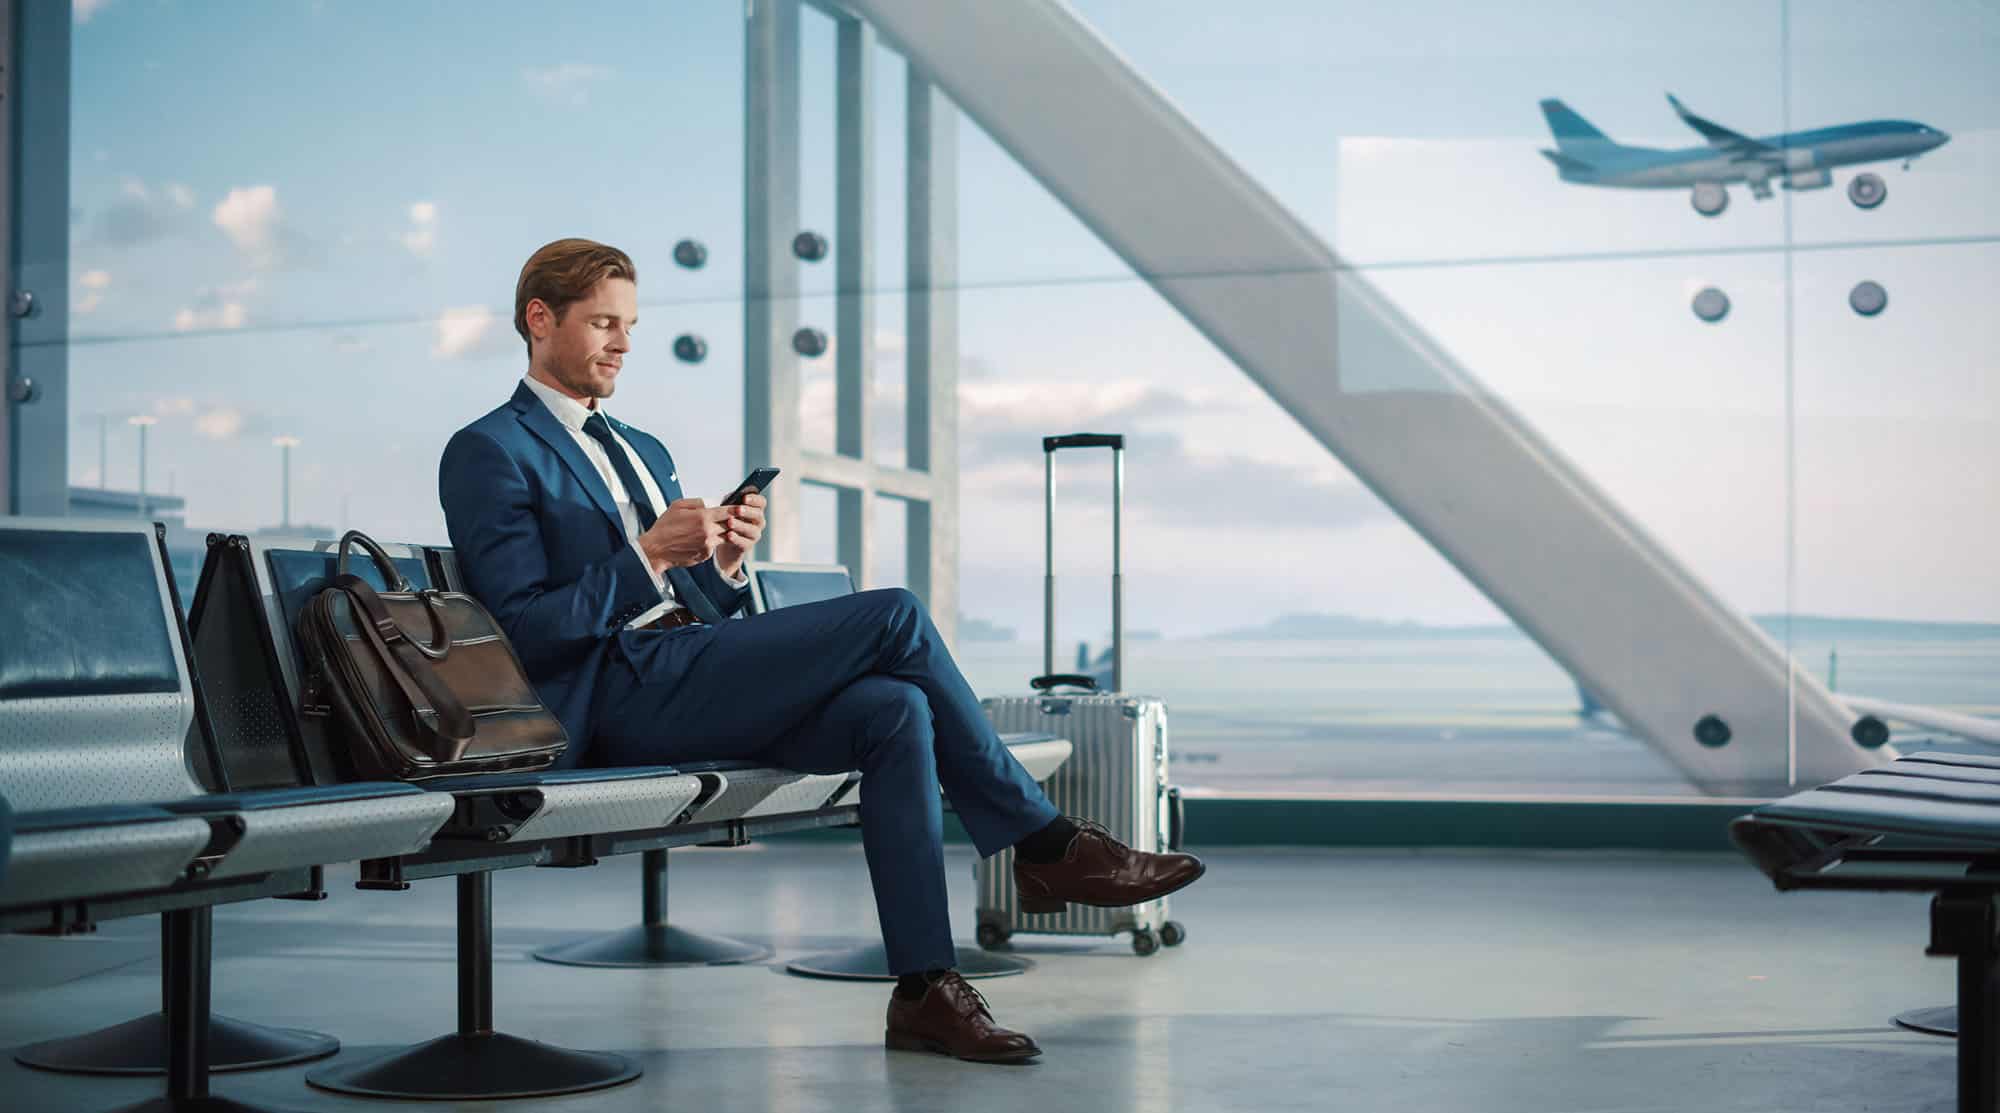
(618, 594)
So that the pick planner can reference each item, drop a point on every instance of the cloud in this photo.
(142, 214)
(249, 217)
(1003, 411)
(220, 424)
(93, 284)
(217, 307)
(566, 83)
(173, 407)
(84, 9)
(1174, 478)
(421, 237)
(228, 315)
(466, 330)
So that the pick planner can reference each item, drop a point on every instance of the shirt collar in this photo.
(567, 410)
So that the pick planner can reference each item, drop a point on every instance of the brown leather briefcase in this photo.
(423, 683)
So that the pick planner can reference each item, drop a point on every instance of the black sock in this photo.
(912, 987)
(1048, 844)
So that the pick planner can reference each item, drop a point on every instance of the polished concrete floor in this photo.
(1312, 980)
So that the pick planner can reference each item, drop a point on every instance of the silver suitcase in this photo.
(1117, 772)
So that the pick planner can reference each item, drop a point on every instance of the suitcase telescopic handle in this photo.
(1050, 445)
(1084, 440)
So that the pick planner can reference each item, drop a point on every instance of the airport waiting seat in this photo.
(750, 791)
(744, 790)
(1928, 822)
(244, 617)
(102, 732)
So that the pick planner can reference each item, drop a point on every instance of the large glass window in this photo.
(1751, 318)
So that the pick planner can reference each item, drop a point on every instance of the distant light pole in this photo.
(285, 446)
(144, 422)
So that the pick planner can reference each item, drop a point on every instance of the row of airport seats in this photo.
(1924, 823)
(158, 766)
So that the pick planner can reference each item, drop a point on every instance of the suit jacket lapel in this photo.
(654, 459)
(553, 433)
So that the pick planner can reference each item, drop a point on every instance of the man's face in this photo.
(584, 351)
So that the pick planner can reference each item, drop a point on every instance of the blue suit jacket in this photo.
(540, 544)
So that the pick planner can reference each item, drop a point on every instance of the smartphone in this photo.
(755, 483)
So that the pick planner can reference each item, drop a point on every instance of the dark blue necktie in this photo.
(685, 589)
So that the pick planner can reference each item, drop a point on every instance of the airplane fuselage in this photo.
(1803, 153)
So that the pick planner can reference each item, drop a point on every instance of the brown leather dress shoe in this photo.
(1100, 871)
(952, 1019)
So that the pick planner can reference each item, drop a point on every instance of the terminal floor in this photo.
(1312, 980)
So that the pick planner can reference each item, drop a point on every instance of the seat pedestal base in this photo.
(871, 964)
(139, 1046)
(1940, 1020)
(472, 1067)
(653, 945)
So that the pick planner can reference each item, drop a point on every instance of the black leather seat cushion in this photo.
(82, 616)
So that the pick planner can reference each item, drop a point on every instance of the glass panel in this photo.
(333, 264)
(1906, 95)
(1353, 655)
(1898, 462)
(889, 564)
(819, 524)
(1415, 132)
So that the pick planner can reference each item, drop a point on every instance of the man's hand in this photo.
(687, 533)
(740, 533)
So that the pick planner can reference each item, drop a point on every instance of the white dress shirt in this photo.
(572, 414)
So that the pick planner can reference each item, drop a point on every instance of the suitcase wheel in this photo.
(1172, 933)
(1144, 942)
(992, 935)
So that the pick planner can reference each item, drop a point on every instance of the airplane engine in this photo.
(1709, 198)
(1803, 171)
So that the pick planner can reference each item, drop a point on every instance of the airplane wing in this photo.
(1739, 147)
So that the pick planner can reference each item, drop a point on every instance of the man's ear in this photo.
(541, 320)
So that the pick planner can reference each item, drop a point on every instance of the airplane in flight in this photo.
(1798, 160)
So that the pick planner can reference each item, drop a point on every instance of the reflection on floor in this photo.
(1312, 980)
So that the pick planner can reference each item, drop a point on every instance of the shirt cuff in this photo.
(646, 562)
(741, 579)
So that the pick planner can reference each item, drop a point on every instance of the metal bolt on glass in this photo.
(1711, 304)
(1868, 298)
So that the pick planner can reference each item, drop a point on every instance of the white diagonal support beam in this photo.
(1521, 522)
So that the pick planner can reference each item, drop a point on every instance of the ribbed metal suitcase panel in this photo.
(1116, 775)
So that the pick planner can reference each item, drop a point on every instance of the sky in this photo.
(304, 220)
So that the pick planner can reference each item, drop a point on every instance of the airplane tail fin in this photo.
(1575, 136)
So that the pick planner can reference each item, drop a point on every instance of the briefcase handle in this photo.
(391, 576)
(433, 607)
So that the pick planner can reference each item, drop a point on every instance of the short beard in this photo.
(582, 384)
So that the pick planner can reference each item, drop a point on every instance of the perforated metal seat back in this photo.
(259, 587)
(95, 701)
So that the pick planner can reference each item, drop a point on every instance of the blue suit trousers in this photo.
(861, 682)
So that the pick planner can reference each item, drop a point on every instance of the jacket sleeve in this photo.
(490, 514)
(727, 597)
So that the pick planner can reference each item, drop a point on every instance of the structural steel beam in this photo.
(930, 167)
(771, 431)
